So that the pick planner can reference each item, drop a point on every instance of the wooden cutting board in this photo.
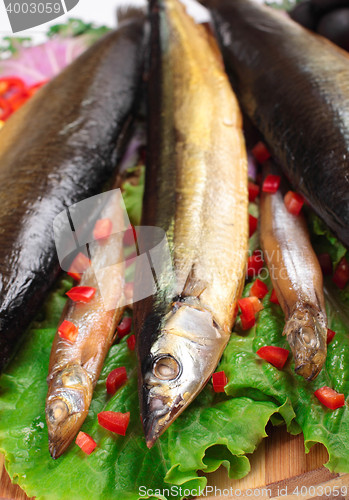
(279, 469)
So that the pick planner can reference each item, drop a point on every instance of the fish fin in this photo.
(193, 286)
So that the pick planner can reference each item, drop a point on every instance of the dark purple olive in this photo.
(303, 13)
(335, 27)
(322, 6)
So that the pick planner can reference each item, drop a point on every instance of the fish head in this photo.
(67, 403)
(176, 366)
(306, 334)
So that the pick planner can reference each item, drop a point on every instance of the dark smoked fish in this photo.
(196, 191)
(294, 85)
(60, 148)
(297, 279)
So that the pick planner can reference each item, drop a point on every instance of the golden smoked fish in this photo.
(196, 191)
(75, 366)
(297, 279)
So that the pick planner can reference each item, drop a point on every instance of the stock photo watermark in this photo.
(24, 15)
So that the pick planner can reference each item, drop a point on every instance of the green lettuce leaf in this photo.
(215, 430)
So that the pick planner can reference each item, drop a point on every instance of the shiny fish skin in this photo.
(75, 367)
(196, 191)
(294, 85)
(297, 279)
(58, 149)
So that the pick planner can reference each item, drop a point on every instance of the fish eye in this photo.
(166, 368)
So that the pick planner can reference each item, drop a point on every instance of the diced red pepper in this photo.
(219, 380)
(81, 293)
(5, 109)
(103, 229)
(247, 322)
(277, 356)
(253, 223)
(247, 307)
(341, 274)
(130, 236)
(254, 265)
(325, 262)
(78, 266)
(85, 442)
(271, 184)
(17, 102)
(253, 191)
(330, 335)
(124, 327)
(273, 297)
(68, 331)
(131, 342)
(330, 398)
(10, 85)
(293, 202)
(259, 289)
(114, 421)
(116, 379)
(260, 152)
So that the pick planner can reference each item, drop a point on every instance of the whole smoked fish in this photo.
(196, 191)
(297, 279)
(294, 85)
(58, 149)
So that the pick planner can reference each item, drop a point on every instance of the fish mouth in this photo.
(158, 415)
(310, 369)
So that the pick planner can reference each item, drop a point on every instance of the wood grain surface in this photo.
(279, 469)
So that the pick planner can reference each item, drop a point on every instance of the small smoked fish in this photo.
(196, 191)
(297, 279)
(294, 85)
(75, 366)
(58, 149)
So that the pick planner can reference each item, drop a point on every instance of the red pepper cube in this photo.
(79, 266)
(253, 191)
(259, 289)
(5, 109)
(114, 421)
(293, 202)
(271, 184)
(276, 356)
(131, 342)
(341, 274)
(260, 152)
(85, 442)
(116, 379)
(68, 331)
(247, 322)
(330, 398)
(254, 265)
(124, 327)
(273, 298)
(219, 381)
(253, 224)
(257, 304)
(325, 262)
(247, 307)
(81, 293)
(330, 335)
(103, 229)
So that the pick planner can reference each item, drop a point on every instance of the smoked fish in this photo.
(196, 191)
